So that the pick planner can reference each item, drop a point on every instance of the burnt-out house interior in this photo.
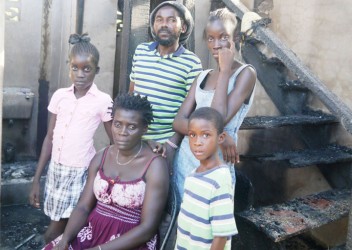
(293, 187)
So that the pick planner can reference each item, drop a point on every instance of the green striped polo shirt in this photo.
(165, 80)
(206, 210)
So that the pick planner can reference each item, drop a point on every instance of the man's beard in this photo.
(173, 37)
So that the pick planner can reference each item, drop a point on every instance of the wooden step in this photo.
(264, 122)
(342, 247)
(282, 221)
(307, 157)
(293, 85)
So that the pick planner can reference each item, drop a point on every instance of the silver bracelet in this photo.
(171, 144)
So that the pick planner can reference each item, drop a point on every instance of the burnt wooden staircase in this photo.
(289, 84)
(267, 227)
(271, 225)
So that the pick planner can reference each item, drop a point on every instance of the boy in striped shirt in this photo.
(206, 219)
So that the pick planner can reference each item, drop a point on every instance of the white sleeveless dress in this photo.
(185, 162)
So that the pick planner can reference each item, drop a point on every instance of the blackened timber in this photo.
(292, 62)
(342, 247)
(307, 157)
(79, 16)
(331, 101)
(282, 221)
(264, 122)
(44, 84)
(349, 232)
(271, 76)
(190, 43)
(134, 32)
(293, 85)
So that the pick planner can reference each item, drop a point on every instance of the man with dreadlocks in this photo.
(75, 114)
(164, 70)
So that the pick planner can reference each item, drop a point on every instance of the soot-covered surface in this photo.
(300, 158)
(18, 224)
(309, 118)
(281, 221)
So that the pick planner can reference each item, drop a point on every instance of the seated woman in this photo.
(126, 191)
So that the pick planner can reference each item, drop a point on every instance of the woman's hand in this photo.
(94, 248)
(61, 246)
(229, 150)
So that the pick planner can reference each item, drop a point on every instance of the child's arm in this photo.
(180, 124)
(34, 196)
(107, 126)
(229, 104)
(229, 150)
(218, 243)
(221, 209)
(170, 150)
(84, 206)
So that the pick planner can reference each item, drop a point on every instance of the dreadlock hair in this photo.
(129, 101)
(211, 115)
(81, 45)
(224, 15)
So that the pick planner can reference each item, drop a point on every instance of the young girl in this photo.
(206, 219)
(75, 114)
(228, 89)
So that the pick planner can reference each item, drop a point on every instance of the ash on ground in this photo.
(19, 223)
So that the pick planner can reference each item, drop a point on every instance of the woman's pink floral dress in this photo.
(118, 210)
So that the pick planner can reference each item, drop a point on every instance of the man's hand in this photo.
(170, 155)
(157, 147)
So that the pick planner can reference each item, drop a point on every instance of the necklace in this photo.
(129, 161)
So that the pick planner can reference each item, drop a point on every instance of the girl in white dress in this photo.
(228, 89)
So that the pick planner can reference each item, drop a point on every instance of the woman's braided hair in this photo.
(129, 101)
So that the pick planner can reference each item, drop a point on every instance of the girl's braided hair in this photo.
(81, 45)
(224, 15)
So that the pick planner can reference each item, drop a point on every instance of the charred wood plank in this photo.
(313, 83)
(293, 85)
(342, 247)
(190, 43)
(282, 221)
(307, 157)
(292, 62)
(264, 122)
(134, 32)
(271, 76)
